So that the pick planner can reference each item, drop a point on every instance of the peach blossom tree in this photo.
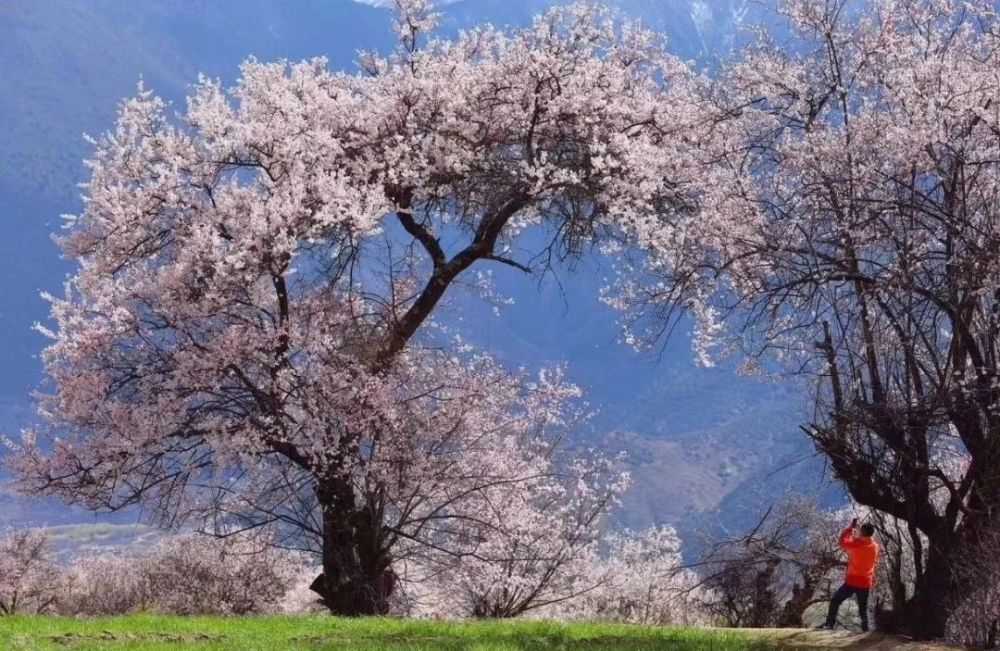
(848, 234)
(249, 337)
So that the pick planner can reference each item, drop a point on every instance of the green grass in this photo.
(148, 632)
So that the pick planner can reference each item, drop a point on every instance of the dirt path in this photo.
(804, 638)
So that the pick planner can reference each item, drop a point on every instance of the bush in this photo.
(185, 575)
(625, 577)
(642, 580)
(196, 575)
(772, 574)
(29, 581)
(106, 584)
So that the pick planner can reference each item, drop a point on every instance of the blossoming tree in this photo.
(851, 229)
(249, 333)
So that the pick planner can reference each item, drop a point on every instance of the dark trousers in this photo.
(840, 596)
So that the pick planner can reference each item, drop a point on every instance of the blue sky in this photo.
(64, 64)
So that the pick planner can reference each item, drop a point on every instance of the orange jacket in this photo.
(862, 555)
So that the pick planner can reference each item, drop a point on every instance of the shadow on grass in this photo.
(399, 642)
(533, 642)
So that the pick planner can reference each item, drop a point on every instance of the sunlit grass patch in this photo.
(148, 632)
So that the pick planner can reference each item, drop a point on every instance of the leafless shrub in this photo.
(773, 574)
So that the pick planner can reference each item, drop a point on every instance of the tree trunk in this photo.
(888, 617)
(925, 615)
(945, 580)
(795, 607)
(357, 577)
(803, 595)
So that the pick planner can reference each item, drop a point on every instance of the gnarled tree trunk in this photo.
(357, 577)
(804, 594)
(925, 614)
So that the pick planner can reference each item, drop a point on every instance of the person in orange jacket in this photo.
(862, 557)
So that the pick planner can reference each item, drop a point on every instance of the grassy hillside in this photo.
(149, 632)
